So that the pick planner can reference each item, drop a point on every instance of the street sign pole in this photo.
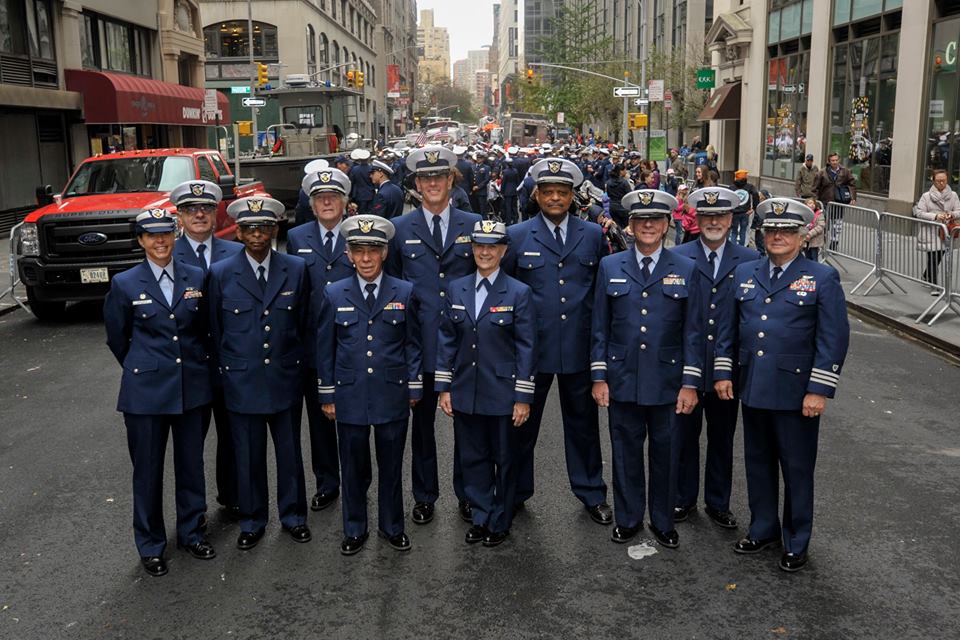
(643, 79)
(626, 108)
(253, 73)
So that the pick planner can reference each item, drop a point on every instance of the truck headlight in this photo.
(29, 240)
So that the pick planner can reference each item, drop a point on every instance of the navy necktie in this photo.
(262, 278)
(371, 298)
(328, 244)
(559, 236)
(201, 251)
(437, 233)
(777, 272)
(712, 261)
(645, 271)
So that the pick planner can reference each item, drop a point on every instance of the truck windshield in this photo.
(130, 175)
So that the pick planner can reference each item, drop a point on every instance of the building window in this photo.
(230, 40)
(26, 35)
(325, 54)
(863, 96)
(108, 45)
(679, 35)
(311, 50)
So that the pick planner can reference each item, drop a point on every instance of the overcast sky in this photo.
(469, 23)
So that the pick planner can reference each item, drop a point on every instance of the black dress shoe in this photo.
(400, 542)
(154, 565)
(791, 562)
(492, 538)
(201, 550)
(476, 534)
(351, 545)
(321, 501)
(669, 539)
(680, 514)
(249, 539)
(422, 512)
(621, 535)
(601, 513)
(723, 519)
(299, 533)
(466, 511)
(748, 545)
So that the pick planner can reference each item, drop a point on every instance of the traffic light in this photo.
(359, 79)
(350, 78)
(636, 120)
(262, 77)
(245, 127)
(529, 76)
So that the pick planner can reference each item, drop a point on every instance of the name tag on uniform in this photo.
(673, 279)
(139, 302)
(286, 293)
(346, 308)
(304, 250)
(190, 294)
(500, 309)
(462, 240)
(618, 280)
(747, 285)
(531, 253)
(394, 306)
(414, 241)
(459, 307)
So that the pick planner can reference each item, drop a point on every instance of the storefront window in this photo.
(231, 40)
(861, 111)
(943, 118)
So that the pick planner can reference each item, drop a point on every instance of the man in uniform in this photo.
(321, 245)
(196, 202)
(646, 363)
(481, 178)
(388, 202)
(157, 331)
(716, 256)
(790, 319)
(369, 368)
(259, 310)
(557, 255)
(362, 186)
(431, 247)
(465, 167)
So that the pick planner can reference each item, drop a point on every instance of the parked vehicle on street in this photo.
(77, 240)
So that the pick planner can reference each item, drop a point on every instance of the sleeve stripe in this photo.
(691, 368)
(825, 383)
(826, 374)
(720, 367)
(723, 359)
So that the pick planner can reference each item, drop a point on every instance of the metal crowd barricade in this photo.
(853, 233)
(14, 278)
(951, 270)
(901, 253)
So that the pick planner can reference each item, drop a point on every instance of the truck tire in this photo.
(43, 310)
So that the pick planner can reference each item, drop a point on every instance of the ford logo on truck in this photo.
(92, 239)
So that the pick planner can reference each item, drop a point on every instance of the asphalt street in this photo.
(884, 555)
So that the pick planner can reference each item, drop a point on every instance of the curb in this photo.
(938, 345)
(4, 311)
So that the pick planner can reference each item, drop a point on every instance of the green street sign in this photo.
(706, 78)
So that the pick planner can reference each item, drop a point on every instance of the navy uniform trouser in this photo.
(721, 416)
(147, 442)
(323, 437)
(389, 441)
(423, 441)
(509, 210)
(489, 478)
(226, 458)
(581, 437)
(250, 444)
(629, 426)
(776, 442)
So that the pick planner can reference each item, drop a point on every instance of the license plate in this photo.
(91, 276)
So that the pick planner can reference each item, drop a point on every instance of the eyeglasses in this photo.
(194, 209)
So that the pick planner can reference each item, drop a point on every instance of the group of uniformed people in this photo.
(375, 322)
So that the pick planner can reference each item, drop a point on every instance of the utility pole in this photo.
(626, 109)
(643, 76)
(253, 73)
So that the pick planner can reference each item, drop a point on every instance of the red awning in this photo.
(117, 98)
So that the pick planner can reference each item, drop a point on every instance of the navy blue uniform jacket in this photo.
(793, 335)
(486, 358)
(361, 189)
(369, 364)
(562, 284)
(388, 202)
(647, 336)
(163, 349)
(413, 257)
(259, 337)
(716, 299)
